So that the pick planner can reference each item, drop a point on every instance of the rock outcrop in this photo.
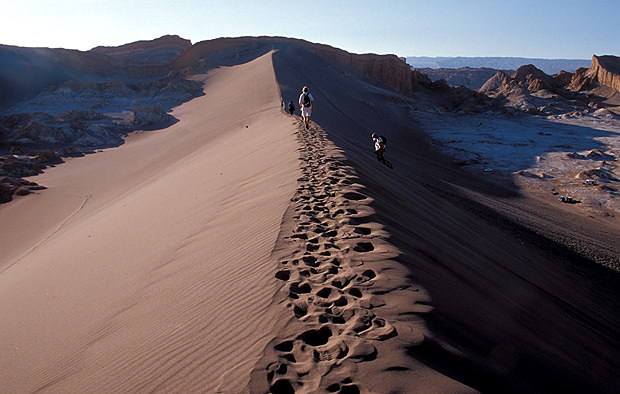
(472, 78)
(531, 90)
(528, 79)
(152, 118)
(83, 129)
(606, 70)
(532, 79)
(161, 50)
(15, 186)
(496, 83)
(13, 168)
(562, 79)
(582, 80)
(563, 95)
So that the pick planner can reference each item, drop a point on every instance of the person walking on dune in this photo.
(380, 143)
(291, 107)
(306, 103)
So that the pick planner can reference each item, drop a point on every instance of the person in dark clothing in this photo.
(291, 107)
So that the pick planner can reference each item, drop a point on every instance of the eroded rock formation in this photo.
(472, 78)
(161, 50)
(386, 69)
(531, 90)
(606, 70)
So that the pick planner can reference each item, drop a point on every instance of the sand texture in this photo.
(149, 267)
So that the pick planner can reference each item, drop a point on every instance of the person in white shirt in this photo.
(379, 146)
(306, 103)
(380, 143)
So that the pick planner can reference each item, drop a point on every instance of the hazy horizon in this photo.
(442, 57)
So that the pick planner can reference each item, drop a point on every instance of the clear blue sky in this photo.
(525, 28)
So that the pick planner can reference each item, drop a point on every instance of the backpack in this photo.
(384, 140)
(307, 101)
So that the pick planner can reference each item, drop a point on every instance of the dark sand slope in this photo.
(515, 302)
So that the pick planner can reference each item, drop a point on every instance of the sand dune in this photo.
(237, 252)
(148, 268)
(516, 303)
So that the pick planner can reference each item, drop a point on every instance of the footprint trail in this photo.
(343, 293)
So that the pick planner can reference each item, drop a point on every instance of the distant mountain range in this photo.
(549, 66)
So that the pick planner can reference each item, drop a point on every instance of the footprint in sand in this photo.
(300, 288)
(364, 247)
(283, 275)
(282, 386)
(362, 230)
(354, 196)
(316, 337)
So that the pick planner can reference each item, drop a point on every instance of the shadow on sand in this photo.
(514, 309)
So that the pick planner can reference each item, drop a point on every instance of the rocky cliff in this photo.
(606, 70)
(389, 70)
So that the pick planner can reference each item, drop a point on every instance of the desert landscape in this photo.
(166, 226)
